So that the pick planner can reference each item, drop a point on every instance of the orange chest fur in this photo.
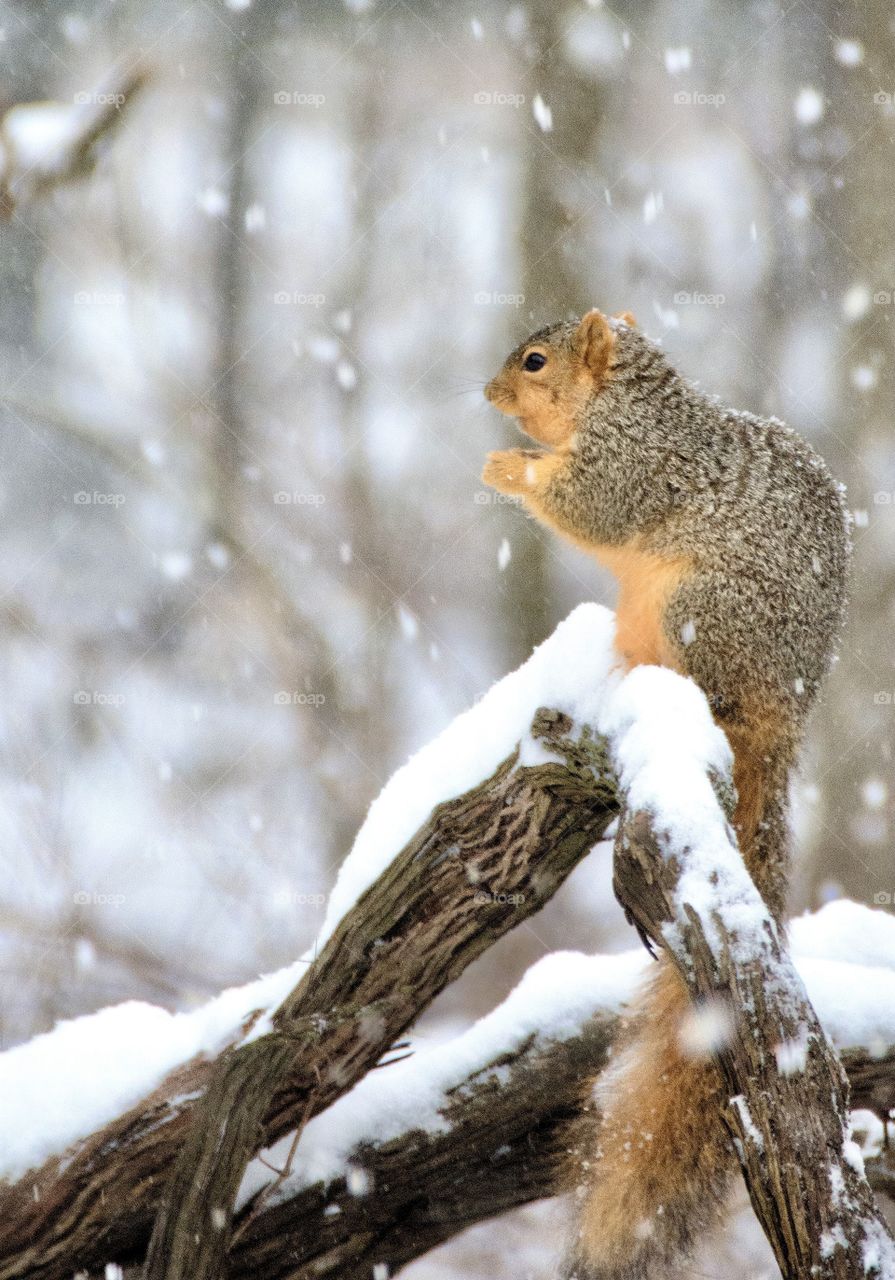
(645, 583)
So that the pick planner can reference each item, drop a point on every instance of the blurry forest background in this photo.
(247, 564)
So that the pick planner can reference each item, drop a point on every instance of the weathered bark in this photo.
(506, 1145)
(788, 1111)
(481, 864)
(502, 1148)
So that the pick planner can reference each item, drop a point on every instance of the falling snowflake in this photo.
(863, 377)
(653, 206)
(677, 60)
(357, 1180)
(856, 302)
(409, 625)
(874, 793)
(542, 114)
(504, 554)
(809, 106)
(255, 218)
(849, 52)
(346, 375)
(176, 565)
(213, 201)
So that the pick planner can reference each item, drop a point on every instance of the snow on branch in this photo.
(375, 1178)
(468, 839)
(680, 877)
(471, 836)
(44, 144)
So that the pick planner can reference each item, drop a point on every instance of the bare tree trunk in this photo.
(555, 164)
(853, 188)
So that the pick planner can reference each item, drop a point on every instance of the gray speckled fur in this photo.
(745, 497)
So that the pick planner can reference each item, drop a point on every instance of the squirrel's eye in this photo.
(534, 361)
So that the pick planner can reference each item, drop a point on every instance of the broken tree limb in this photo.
(46, 144)
(683, 884)
(482, 863)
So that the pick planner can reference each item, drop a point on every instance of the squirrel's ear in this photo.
(628, 318)
(594, 342)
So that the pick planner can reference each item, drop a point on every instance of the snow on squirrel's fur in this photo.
(64, 1085)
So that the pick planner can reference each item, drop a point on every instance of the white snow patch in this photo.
(747, 1122)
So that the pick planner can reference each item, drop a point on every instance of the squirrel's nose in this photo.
(491, 389)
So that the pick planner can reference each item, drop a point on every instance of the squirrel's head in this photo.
(547, 381)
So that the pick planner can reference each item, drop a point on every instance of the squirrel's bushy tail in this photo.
(662, 1162)
(655, 1173)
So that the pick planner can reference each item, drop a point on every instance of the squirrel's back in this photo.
(745, 500)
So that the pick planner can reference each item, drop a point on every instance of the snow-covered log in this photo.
(484, 1123)
(469, 838)
(471, 1128)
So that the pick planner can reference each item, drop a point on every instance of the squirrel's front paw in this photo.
(511, 470)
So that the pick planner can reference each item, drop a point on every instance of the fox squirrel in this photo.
(729, 541)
